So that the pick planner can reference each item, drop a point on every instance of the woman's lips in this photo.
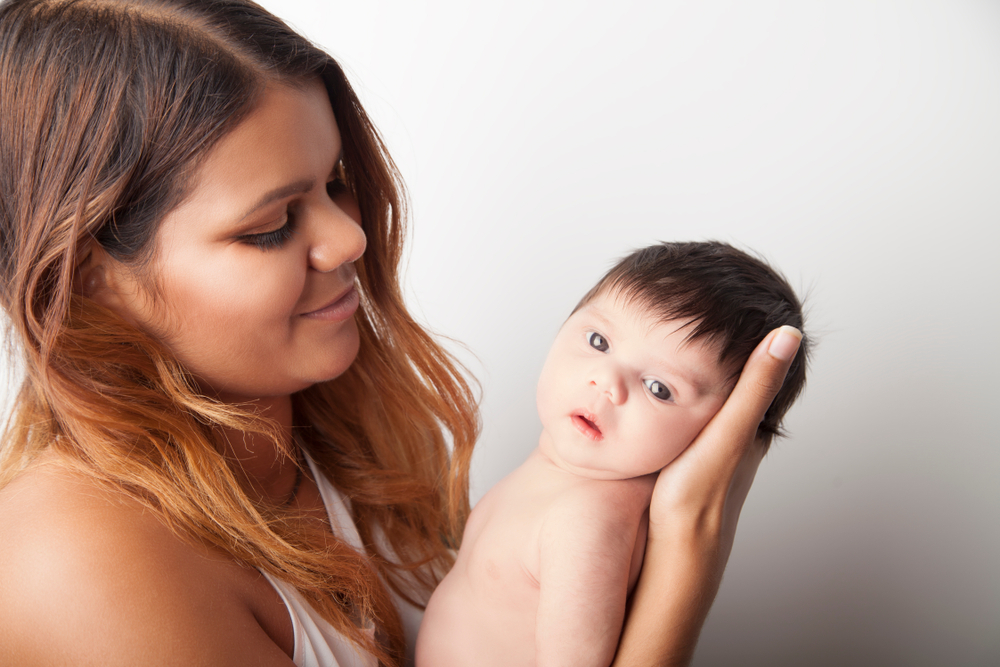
(586, 424)
(341, 308)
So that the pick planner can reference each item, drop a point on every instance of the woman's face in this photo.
(253, 272)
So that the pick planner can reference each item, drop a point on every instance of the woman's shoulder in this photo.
(52, 514)
(49, 503)
(88, 574)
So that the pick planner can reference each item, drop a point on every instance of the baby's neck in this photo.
(547, 455)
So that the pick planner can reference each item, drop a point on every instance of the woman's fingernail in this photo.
(785, 343)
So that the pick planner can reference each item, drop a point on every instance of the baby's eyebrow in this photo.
(693, 376)
(604, 321)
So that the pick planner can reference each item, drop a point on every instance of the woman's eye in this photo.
(597, 341)
(335, 187)
(270, 240)
(658, 389)
(338, 183)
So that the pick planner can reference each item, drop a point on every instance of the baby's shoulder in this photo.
(600, 520)
(604, 502)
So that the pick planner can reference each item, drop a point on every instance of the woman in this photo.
(200, 239)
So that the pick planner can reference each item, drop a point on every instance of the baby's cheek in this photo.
(542, 401)
(544, 392)
(712, 408)
(668, 454)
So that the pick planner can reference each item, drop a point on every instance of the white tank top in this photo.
(317, 643)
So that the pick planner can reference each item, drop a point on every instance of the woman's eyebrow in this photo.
(281, 192)
(304, 185)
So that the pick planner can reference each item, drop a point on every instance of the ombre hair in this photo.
(727, 297)
(106, 109)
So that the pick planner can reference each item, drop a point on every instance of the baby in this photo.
(645, 360)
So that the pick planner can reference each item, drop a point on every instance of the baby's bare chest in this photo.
(500, 550)
(506, 534)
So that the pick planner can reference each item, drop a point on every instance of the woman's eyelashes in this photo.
(336, 187)
(658, 390)
(338, 181)
(597, 341)
(276, 238)
(272, 239)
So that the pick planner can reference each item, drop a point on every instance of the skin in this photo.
(552, 551)
(131, 592)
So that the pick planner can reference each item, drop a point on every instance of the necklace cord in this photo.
(299, 463)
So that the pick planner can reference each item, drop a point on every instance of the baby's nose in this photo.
(612, 385)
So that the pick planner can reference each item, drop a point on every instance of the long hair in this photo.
(106, 109)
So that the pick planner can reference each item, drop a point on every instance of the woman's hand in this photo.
(692, 519)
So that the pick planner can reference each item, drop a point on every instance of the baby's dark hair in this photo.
(729, 298)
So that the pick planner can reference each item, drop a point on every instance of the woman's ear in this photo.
(98, 276)
(88, 277)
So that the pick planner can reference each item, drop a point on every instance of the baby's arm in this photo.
(585, 552)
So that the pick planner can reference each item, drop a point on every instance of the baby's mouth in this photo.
(586, 424)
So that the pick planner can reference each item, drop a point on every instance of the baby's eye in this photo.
(597, 341)
(658, 389)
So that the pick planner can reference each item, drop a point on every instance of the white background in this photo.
(854, 143)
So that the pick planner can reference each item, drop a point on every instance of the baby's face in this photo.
(621, 394)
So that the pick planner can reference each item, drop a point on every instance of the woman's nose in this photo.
(611, 384)
(337, 237)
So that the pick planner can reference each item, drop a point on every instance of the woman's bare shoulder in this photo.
(88, 575)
